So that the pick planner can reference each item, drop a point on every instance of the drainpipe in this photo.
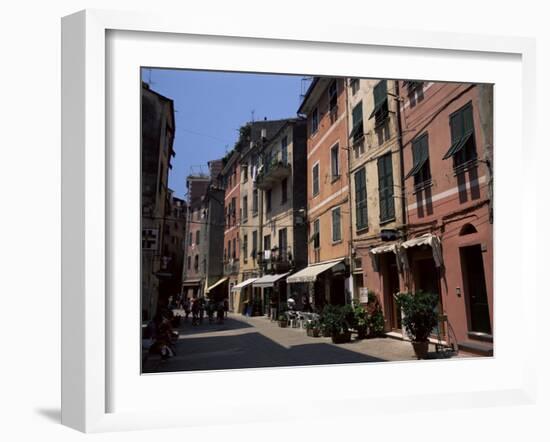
(401, 161)
(402, 171)
(350, 208)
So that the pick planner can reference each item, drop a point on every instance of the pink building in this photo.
(447, 150)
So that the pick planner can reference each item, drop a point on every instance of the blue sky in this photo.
(210, 108)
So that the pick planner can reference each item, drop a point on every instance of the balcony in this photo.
(274, 261)
(273, 171)
(231, 267)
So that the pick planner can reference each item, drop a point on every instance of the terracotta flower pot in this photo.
(340, 338)
(421, 349)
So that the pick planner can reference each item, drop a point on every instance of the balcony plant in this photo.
(419, 318)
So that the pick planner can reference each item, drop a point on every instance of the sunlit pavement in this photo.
(254, 342)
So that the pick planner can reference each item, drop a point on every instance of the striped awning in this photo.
(216, 284)
(310, 273)
(268, 280)
(243, 284)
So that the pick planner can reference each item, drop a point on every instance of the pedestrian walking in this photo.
(220, 312)
(187, 308)
(201, 310)
(226, 306)
(195, 311)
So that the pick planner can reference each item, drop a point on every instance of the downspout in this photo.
(402, 172)
(350, 206)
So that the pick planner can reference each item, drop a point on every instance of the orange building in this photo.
(327, 277)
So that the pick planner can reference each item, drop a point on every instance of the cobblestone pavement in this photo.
(253, 342)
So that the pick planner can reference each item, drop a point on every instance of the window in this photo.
(336, 225)
(234, 248)
(283, 245)
(190, 238)
(255, 202)
(334, 161)
(197, 237)
(316, 235)
(380, 111)
(254, 243)
(333, 98)
(284, 150)
(245, 208)
(421, 161)
(414, 91)
(188, 263)
(463, 147)
(245, 248)
(196, 264)
(315, 179)
(244, 171)
(284, 191)
(354, 83)
(385, 188)
(361, 213)
(268, 200)
(314, 120)
(267, 242)
(234, 209)
(228, 249)
(357, 132)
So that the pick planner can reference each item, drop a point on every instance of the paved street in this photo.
(249, 342)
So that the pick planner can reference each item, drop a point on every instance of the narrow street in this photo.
(251, 342)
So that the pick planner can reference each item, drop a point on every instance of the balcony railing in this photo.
(274, 170)
(231, 267)
(276, 261)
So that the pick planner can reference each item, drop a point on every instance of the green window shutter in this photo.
(336, 230)
(380, 92)
(357, 114)
(385, 187)
(361, 221)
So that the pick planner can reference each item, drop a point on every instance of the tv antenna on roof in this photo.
(149, 76)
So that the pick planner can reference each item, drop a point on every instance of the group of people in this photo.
(197, 307)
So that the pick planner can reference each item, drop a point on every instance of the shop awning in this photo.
(268, 280)
(243, 284)
(310, 273)
(216, 284)
(386, 248)
(191, 282)
(427, 240)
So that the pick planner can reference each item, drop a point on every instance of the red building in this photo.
(231, 179)
(447, 150)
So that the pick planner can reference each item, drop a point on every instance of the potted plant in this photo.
(313, 329)
(336, 320)
(360, 320)
(283, 321)
(375, 316)
(419, 318)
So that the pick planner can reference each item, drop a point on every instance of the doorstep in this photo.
(476, 347)
(397, 335)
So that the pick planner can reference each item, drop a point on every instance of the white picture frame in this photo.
(87, 207)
